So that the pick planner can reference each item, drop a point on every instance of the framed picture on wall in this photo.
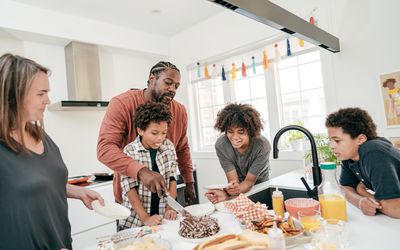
(395, 141)
(390, 89)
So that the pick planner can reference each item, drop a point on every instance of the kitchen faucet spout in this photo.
(315, 168)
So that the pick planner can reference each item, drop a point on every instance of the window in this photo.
(302, 91)
(252, 90)
(210, 98)
(287, 93)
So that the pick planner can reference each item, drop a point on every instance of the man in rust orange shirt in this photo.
(117, 130)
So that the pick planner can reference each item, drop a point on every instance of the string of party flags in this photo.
(205, 73)
(243, 68)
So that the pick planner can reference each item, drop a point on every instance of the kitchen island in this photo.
(365, 232)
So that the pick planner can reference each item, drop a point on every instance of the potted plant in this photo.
(325, 153)
(296, 138)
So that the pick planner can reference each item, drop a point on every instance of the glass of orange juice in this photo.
(310, 219)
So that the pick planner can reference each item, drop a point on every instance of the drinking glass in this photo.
(335, 226)
(310, 219)
(332, 235)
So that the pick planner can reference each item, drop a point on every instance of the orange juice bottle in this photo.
(331, 199)
(277, 203)
(333, 206)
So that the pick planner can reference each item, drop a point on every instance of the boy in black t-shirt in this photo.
(370, 165)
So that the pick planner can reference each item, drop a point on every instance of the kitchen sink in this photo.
(265, 196)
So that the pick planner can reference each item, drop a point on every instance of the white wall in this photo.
(369, 42)
(22, 17)
(121, 71)
(10, 45)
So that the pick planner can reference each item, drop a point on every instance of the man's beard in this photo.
(161, 97)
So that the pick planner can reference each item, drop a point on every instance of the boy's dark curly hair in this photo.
(240, 116)
(353, 121)
(151, 112)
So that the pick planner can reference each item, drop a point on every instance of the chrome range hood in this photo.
(272, 15)
(83, 79)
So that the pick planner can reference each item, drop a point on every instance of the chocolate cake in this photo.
(197, 227)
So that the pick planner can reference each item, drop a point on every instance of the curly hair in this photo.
(151, 112)
(241, 116)
(353, 121)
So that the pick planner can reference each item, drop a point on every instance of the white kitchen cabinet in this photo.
(87, 225)
(87, 240)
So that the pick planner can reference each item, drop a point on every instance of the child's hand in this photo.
(215, 195)
(153, 220)
(233, 188)
(170, 214)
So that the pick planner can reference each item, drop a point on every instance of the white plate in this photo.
(201, 209)
(197, 240)
(293, 241)
(216, 186)
(130, 233)
(111, 210)
(163, 244)
(222, 208)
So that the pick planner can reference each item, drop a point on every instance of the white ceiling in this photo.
(171, 17)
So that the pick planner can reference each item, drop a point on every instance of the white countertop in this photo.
(169, 230)
(289, 180)
(366, 232)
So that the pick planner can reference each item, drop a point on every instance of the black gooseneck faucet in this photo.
(313, 193)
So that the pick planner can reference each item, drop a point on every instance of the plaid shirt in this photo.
(167, 164)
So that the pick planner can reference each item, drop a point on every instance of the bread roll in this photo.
(254, 248)
(234, 244)
(216, 240)
(247, 240)
(255, 238)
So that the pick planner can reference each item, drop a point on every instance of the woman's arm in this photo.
(86, 195)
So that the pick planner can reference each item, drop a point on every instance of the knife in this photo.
(175, 205)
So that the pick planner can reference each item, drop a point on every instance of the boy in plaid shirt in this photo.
(154, 151)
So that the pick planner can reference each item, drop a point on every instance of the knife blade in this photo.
(175, 205)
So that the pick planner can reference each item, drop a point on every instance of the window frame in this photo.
(271, 76)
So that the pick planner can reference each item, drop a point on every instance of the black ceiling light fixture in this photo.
(277, 17)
